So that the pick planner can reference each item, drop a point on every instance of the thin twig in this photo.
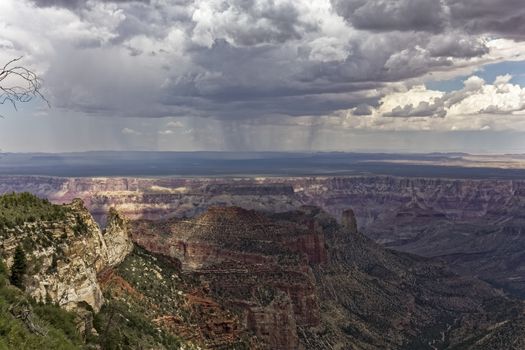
(26, 88)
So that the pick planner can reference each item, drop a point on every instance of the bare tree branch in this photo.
(19, 84)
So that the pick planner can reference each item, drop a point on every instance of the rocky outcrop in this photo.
(117, 238)
(335, 289)
(274, 323)
(254, 264)
(150, 287)
(474, 224)
(312, 245)
(64, 257)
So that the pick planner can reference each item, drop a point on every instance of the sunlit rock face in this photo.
(156, 198)
(64, 257)
(117, 238)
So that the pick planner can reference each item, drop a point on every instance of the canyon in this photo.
(301, 280)
(234, 278)
(66, 255)
(475, 225)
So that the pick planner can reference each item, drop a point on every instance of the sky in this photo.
(279, 75)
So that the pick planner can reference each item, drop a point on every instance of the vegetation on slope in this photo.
(25, 324)
(134, 293)
(147, 307)
(31, 224)
(17, 209)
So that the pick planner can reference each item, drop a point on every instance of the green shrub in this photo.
(19, 268)
(14, 334)
(80, 227)
(59, 319)
(19, 208)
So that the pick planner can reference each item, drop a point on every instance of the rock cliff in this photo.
(232, 278)
(255, 265)
(65, 256)
(346, 292)
(474, 225)
(117, 238)
(117, 294)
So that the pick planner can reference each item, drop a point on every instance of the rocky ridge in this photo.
(261, 268)
(233, 278)
(357, 296)
(66, 256)
(118, 293)
(474, 225)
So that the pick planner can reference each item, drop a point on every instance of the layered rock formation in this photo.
(475, 225)
(65, 256)
(233, 278)
(150, 288)
(121, 296)
(253, 264)
(155, 198)
(367, 297)
(353, 294)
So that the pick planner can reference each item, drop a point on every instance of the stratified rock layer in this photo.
(117, 238)
(475, 225)
(346, 292)
(349, 221)
(254, 264)
(65, 257)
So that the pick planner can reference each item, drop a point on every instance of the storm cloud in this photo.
(256, 60)
(386, 15)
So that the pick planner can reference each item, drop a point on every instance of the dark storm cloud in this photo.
(265, 72)
(362, 110)
(504, 17)
(386, 15)
(281, 22)
(456, 45)
(237, 59)
(251, 85)
(299, 105)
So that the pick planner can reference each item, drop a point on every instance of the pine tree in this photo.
(19, 267)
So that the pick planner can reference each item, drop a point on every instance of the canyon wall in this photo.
(475, 225)
(299, 280)
(233, 278)
(252, 263)
(65, 256)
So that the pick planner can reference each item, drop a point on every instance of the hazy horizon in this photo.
(254, 164)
